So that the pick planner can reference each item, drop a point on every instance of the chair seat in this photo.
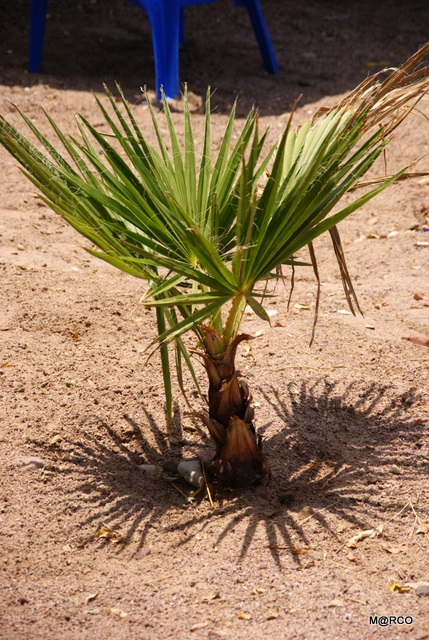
(166, 19)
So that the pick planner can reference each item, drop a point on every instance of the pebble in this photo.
(206, 455)
(170, 468)
(190, 470)
(142, 553)
(30, 462)
(149, 469)
(422, 589)
(305, 513)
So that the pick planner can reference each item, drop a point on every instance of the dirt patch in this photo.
(345, 422)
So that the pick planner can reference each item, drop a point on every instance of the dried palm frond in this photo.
(388, 101)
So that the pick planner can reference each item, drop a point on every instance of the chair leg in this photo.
(165, 35)
(165, 24)
(37, 33)
(261, 33)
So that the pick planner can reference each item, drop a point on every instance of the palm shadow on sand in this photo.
(332, 451)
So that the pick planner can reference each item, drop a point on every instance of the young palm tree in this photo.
(208, 235)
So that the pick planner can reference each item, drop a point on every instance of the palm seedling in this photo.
(209, 234)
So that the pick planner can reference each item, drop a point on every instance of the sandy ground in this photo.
(345, 422)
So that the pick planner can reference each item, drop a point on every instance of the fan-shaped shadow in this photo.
(331, 458)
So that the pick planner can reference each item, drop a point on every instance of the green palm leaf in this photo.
(205, 231)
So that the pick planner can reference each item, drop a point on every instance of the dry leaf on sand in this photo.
(394, 550)
(210, 596)
(108, 534)
(198, 626)
(91, 597)
(362, 535)
(399, 588)
(244, 616)
(337, 603)
(423, 528)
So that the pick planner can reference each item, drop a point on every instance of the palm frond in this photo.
(205, 231)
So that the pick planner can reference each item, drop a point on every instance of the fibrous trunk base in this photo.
(239, 461)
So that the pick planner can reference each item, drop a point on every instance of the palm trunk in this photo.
(239, 460)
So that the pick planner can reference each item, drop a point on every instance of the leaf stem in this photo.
(234, 319)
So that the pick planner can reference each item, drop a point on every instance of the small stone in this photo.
(306, 513)
(149, 469)
(170, 468)
(395, 470)
(190, 470)
(30, 462)
(422, 589)
(206, 455)
(142, 553)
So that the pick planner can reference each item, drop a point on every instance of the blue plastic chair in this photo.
(167, 23)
